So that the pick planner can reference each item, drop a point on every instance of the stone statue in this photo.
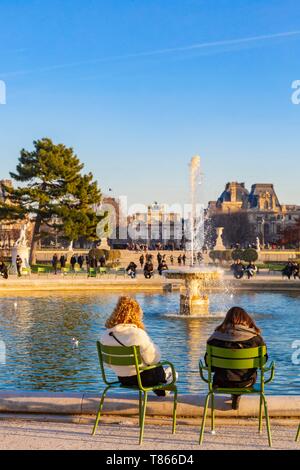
(257, 244)
(21, 249)
(22, 240)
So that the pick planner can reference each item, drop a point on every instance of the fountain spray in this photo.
(196, 217)
(198, 280)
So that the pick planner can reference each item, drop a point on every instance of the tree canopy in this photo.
(53, 193)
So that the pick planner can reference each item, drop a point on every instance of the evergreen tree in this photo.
(53, 193)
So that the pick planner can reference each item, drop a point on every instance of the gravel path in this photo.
(32, 435)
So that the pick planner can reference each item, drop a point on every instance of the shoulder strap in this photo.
(118, 341)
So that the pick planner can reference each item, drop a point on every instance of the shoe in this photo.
(169, 375)
(162, 393)
(236, 401)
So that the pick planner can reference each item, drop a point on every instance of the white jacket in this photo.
(131, 335)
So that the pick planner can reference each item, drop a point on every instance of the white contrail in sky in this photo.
(199, 46)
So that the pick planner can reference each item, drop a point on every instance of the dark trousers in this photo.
(149, 378)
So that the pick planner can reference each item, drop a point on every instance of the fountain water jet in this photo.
(198, 280)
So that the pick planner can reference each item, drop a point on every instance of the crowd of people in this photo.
(125, 327)
(89, 261)
(146, 262)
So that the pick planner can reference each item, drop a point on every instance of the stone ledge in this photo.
(127, 405)
(60, 284)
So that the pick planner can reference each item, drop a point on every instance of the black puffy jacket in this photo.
(238, 378)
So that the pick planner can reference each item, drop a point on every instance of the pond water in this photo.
(37, 331)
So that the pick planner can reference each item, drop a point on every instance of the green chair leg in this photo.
(174, 412)
(267, 421)
(260, 427)
(204, 418)
(212, 412)
(298, 434)
(143, 418)
(100, 410)
(140, 407)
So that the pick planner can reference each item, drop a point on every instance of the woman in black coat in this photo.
(238, 331)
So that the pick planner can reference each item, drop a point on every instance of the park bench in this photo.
(131, 356)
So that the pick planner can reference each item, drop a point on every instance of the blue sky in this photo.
(138, 87)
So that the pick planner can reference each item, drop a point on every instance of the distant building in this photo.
(156, 226)
(267, 215)
(117, 222)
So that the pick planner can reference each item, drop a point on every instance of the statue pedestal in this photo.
(23, 252)
(190, 306)
(219, 244)
(104, 245)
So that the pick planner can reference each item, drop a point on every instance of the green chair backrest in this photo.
(119, 356)
(42, 270)
(120, 271)
(223, 358)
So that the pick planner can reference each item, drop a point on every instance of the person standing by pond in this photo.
(73, 262)
(142, 261)
(63, 261)
(80, 261)
(125, 328)
(19, 263)
(54, 263)
(238, 331)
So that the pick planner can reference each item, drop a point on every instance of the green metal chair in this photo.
(66, 271)
(92, 272)
(102, 271)
(77, 271)
(298, 434)
(25, 271)
(42, 271)
(236, 359)
(130, 356)
(120, 272)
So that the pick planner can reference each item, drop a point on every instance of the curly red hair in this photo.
(127, 311)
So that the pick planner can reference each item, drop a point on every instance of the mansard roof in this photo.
(259, 190)
(241, 193)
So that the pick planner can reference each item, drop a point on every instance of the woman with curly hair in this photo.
(125, 327)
